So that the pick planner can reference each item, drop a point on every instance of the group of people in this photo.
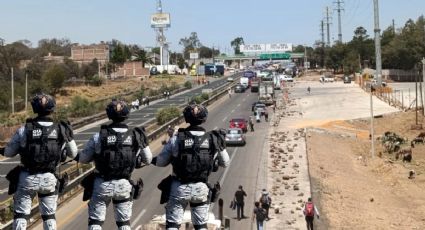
(166, 94)
(116, 150)
(136, 103)
(261, 207)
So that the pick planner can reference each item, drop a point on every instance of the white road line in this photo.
(134, 222)
(225, 172)
(244, 99)
(147, 115)
(225, 118)
(232, 111)
(129, 123)
(215, 127)
(238, 105)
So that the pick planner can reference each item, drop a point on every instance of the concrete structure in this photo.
(132, 69)
(84, 54)
(54, 59)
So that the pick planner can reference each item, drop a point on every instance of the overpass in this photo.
(252, 58)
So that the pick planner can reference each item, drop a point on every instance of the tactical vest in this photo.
(42, 152)
(195, 160)
(117, 157)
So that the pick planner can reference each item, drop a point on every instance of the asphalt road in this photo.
(243, 170)
(137, 118)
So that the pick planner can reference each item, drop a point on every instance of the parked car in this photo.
(347, 79)
(235, 136)
(260, 108)
(286, 78)
(230, 79)
(239, 88)
(256, 103)
(239, 123)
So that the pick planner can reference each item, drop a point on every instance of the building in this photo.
(84, 54)
(132, 69)
(54, 59)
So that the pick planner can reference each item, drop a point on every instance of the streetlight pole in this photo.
(377, 44)
(372, 135)
(13, 93)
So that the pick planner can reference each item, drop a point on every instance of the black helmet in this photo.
(43, 104)
(195, 114)
(117, 110)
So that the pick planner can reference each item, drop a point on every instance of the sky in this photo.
(216, 22)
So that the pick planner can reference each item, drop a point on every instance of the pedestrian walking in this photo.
(116, 151)
(39, 143)
(147, 101)
(193, 153)
(239, 199)
(165, 94)
(310, 211)
(259, 214)
(265, 201)
(266, 115)
(251, 123)
(168, 94)
(230, 92)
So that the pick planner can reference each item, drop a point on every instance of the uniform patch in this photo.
(128, 140)
(188, 143)
(37, 133)
(53, 134)
(111, 139)
(205, 144)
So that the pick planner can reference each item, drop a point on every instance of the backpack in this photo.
(195, 160)
(265, 199)
(42, 152)
(261, 214)
(117, 156)
(309, 209)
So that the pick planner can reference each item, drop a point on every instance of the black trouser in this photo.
(309, 220)
(239, 209)
(266, 207)
(252, 127)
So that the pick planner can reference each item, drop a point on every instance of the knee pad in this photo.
(122, 223)
(95, 222)
(200, 226)
(48, 217)
(172, 225)
(18, 215)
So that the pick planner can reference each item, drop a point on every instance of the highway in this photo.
(137, 118)
(243, 170)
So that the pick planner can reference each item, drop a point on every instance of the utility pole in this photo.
(322, 32)
(339, 9)
(13, 93)
(393, 27)
(26, 90)
(377, 44)
(327, 19)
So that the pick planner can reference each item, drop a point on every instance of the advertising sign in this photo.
(160, 20)
(279, 47)
(264, 48)
(194, 55)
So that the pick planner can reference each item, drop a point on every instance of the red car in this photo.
(239, 123)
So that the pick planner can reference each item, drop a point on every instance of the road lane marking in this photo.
(244, 99)
(225, 118)
(238, 105)
(226, 170)
(232, 111)
(147, 115)
(215, 127)
(134, 222)
(129, 123)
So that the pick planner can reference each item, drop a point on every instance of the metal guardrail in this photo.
(74, 183)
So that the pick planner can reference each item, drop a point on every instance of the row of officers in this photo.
(116, 151)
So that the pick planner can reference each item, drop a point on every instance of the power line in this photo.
(339, 9)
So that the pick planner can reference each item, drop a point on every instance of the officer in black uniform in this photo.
(116, 151)
(192, 153)
(40, 143)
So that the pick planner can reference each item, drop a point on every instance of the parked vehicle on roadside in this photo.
(347, 79)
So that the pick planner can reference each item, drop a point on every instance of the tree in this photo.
(206, 52)
(142, 56)
(190, 43)
(55, 46)
(54, 78)
(88, 71)
(236, 43)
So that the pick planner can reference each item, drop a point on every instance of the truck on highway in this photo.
(245, 82)
(254, 85)
(266, 92)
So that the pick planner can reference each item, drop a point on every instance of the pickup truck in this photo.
(327, 79)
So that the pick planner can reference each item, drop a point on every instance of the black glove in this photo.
(77, 158)
(154, 161)
(143, 139)
(138, 188)
(68, 132)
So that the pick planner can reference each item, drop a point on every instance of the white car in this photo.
(230, 79)
(286, 78)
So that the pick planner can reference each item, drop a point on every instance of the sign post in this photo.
(195, 56)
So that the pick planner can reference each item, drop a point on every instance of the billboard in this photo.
(257, 48)
(194, 55)
(160, 20)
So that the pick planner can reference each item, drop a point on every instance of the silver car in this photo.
(235, 136)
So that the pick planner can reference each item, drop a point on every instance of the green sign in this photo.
(275, 56)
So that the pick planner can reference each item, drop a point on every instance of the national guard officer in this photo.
(194, 154)
(40, 143)
(116, 151)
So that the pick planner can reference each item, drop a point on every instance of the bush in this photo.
(197, 99)
(205, 96)
(81, 106)
(188, 84)
(167, 114)
(95, 80)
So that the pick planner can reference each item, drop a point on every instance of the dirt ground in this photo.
(354, 191)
